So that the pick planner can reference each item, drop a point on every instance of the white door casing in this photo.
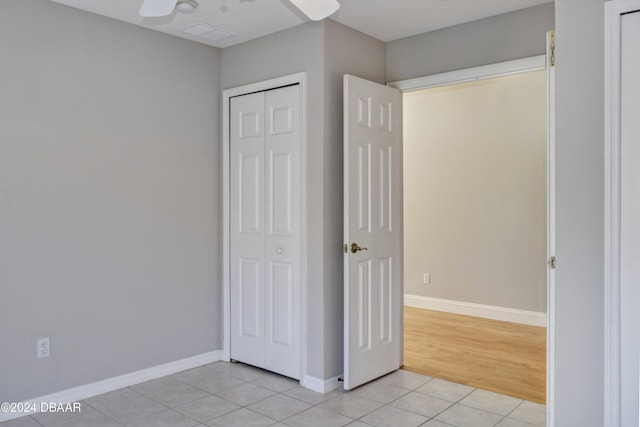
(372, 220)
(551, 222)
(629, 219)
(622, 210)
(266, 230)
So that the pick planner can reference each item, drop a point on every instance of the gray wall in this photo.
(109, 206)
(580, 204)
(109, 198)
(499, 38)
(347, 51)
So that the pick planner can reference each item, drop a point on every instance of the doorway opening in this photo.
(476, 221)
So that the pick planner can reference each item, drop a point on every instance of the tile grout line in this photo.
(106, 415)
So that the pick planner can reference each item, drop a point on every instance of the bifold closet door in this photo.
(265, 235)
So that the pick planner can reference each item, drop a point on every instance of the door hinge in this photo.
(552, 262)
(552, 47)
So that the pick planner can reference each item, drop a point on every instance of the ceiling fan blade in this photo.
(156, 8)
(316, 10)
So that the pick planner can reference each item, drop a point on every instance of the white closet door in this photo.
(247, 203)
(630, 219)
(283, 237)
(266, 244)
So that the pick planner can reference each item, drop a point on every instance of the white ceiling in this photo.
(385, 20)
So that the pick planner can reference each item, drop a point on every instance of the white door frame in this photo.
(516, 66)
(227, 94)
(612, 186)
(551, 227)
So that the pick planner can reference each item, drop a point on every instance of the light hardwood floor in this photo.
(507, 358)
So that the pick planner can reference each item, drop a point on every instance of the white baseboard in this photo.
(321, 386)
(93, 389)
(504, 314)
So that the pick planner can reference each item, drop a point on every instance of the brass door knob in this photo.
(355, 248)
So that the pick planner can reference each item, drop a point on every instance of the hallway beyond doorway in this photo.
(503, 357)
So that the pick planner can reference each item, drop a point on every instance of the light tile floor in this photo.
(232, 394)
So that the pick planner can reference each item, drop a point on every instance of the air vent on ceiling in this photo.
(208, 32)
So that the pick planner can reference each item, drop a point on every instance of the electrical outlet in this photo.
(44, 348)
(426, 278)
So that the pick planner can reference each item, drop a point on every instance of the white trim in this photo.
(475, 73)
(321, 386)
(305, 270)
(298, 78)
(504, 314)
(551, 233)
(226, 290)
(613, 11)
(93, 389)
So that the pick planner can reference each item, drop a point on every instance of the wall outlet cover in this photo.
(43, 347)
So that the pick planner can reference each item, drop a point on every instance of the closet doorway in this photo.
(263, 265)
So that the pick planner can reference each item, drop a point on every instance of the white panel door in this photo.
(265, 235)
(372, 231)
(247, 258)
(630, 219)
(283, 244)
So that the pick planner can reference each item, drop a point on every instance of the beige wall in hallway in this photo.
(475, 191)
